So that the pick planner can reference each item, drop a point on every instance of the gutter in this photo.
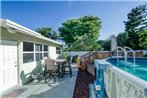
(21, 29)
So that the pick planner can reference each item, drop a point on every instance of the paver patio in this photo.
(63, 88)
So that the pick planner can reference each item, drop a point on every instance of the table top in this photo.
(60, 60)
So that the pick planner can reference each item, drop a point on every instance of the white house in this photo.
(21, 52)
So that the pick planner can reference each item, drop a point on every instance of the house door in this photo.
(8, 64)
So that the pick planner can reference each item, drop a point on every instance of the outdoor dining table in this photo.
(60, 64)
(60, 60)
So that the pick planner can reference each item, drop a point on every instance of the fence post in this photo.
(78, 61)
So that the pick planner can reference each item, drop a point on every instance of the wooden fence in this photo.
(89, 57)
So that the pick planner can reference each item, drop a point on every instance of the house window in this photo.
(28, 52)
(58, 51)
(34, 52)
(28, 46)
(45, 51)
(38, 52)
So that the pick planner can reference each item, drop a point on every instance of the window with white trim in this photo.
(28, 52)
(58, 50)
(34, 52)
(38, 52)
(45, 51)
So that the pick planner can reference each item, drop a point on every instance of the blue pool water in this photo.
(139, 69)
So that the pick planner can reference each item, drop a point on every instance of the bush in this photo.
(65, 55)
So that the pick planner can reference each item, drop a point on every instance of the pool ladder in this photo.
(125, 47)
(125, 53)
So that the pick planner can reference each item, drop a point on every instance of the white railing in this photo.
(125, 47)
(127, 85)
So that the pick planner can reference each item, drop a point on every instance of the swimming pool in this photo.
(139, 69)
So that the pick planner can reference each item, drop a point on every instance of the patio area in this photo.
(63, 88)
(72, 49)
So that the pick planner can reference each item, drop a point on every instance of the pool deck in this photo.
(63, 88)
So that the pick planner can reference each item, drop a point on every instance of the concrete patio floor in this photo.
(63, 88)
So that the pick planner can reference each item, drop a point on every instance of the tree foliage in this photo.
(84, 43)
(47, 32)
(77, 27)
(105, 44)
(122, 39)
(136, 30)
(137, 21)
(54, 35)
(143, 39)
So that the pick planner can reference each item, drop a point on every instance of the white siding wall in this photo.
(26, 69)
(52, 52)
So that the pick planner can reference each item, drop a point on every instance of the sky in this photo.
(34, 14)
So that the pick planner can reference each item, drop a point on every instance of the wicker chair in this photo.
(51, 69)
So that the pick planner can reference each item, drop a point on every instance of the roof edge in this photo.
(24, 30)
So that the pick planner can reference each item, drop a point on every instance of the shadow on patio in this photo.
(63, 88)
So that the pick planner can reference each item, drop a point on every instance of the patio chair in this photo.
(51, 69)
(37, 76)
(67, 66)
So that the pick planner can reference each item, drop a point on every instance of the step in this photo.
(91, 69)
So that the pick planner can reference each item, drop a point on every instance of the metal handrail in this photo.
(118, 47)
(125, 47)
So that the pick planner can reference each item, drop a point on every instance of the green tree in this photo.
(69, 30)
(84, 43)
(47, 32)
(122, 39)
(137, 21)
(105, 44)
(90, 25)
(44, 31)
(143, 39)
(54, 35)
(77, 27)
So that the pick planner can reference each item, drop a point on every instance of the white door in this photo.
(8, 64)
